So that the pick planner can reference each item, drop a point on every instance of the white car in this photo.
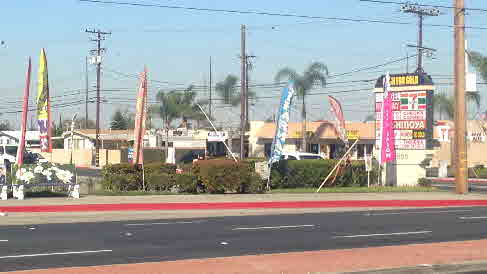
(300, 156)
(8, 155)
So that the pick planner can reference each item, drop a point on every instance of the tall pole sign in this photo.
(412, 122)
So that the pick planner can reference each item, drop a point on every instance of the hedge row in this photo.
(212, 176)
(224, 176)
(311, 173)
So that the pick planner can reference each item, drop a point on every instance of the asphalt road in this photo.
(85, 244)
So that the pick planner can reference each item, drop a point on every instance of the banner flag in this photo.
(25, 109)
(140, 117)
(336, 108)
(43, 105)
(388, 152)
(282, 123)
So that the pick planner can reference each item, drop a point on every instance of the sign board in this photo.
(353, 134)
(130, 154)
(412, 111)
(476, 136)
(411, 144)
(368, 162)
(443, 133)
(410, 115)
(399, 124)
(218, 136)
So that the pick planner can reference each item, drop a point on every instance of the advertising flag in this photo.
(43, 105)
(25, 109)
(282, 123)
(140, 117)
(388, 152)
(336, 108)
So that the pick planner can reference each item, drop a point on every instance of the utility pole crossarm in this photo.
(421, 12)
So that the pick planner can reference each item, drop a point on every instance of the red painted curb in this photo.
(242, 205)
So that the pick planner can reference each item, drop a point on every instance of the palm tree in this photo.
(479, 62)
(444, 104)
(315, 73)
(369, 117)
(227, 90)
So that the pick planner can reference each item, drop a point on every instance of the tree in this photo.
(227, 90)
(370, 117)
(5, 125)
(81, 123)
(479, 62)
(445, 105)
(119, 121)
(303, 83)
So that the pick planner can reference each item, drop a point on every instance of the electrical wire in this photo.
(250, 12)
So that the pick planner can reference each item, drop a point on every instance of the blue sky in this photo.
(176, 46)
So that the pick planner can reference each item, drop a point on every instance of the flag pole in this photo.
(331, 172)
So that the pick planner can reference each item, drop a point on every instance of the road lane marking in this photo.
(272, 227)
(53, 254)
(417, 212)
(385, 234)
(473, 218)
(173, 223)
(3, 240)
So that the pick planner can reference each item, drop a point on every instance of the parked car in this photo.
(8, 155)
(300, 156)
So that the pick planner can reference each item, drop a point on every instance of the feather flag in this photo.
(140, 117)
(388, 151)
(282, 123)
(43, 105)
(336, 108)
(25, 109)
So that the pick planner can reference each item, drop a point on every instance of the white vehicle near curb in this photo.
(8, 155)
(300, 156)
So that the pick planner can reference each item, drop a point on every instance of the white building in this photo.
(11, 137)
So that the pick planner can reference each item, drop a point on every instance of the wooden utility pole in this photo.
(461, 171)
(86, 87)
(421, 12)
(100, 36)
(243, 77)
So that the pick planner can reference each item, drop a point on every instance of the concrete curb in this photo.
(243, 205)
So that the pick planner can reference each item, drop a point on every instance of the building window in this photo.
(267, 149)
(313, 148)
(360, 151)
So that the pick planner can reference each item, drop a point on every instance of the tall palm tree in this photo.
(316, 73)
(479, 62)
(369, 117)
(445, 105)
(227, 90)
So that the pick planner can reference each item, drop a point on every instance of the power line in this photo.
(250, 12)
(420, 5)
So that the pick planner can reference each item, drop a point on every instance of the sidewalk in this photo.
(325, 261)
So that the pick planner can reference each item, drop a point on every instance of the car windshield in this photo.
(310, 157)
(11, 150)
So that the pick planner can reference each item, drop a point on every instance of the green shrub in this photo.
(159, 181)
(186, 183)
(311, 173)
(424, 182)
(224, 176)
(128, 177)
